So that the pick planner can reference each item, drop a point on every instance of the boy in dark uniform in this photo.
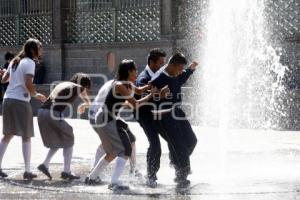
(172, 121)
(156, 59)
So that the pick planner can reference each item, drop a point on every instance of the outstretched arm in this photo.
(124, 92)
(182, 78)
(141, 90)
(31, 88)
(86, 102)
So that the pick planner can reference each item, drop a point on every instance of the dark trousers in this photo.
(154, 150)
(181, 140)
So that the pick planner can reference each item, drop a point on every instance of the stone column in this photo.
(56, 51)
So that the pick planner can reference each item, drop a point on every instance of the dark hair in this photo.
(81, 79)
(30, 44)
(124, 68)
(155, 54)
(177, 59)
(9, 56)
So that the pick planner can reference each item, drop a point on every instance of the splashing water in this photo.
(241, 76)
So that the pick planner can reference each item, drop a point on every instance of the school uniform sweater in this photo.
(174, 84)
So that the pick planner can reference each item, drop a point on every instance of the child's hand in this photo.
(81, 108)
(193, 65)
(147, 87)
(40, 97)
(164, 92)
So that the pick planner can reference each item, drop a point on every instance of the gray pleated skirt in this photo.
(17, 118)
(115, 136)
(55, 131)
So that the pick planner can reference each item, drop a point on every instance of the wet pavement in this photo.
(235, 164)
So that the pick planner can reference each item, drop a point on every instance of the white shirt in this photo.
(150, 72)
(158, 72)
(100, 99)
(17, 88)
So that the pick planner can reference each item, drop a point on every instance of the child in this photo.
(55, 131)
(172, 121)
(17, 111)
(113, 131)
(156, 60)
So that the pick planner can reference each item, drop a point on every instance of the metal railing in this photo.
(36, 7)
(89, 5)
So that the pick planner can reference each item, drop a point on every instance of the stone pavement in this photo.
(235, 164)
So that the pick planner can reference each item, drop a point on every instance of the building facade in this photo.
(93, 36)
(90, 36)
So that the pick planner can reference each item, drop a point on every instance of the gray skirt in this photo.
(17, 118)
(55, 131)
(115, 135)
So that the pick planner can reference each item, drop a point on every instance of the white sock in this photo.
(68, 152)
(99, 153)
(49, 156)
(3, 146)
(100, 166)
(119, 167)
(26, 147)
(132, 158)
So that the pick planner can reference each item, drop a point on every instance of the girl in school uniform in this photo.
(55, 131)
(17, 111)
(113, 131)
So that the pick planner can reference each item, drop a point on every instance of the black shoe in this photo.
(2, 174)
(96, 181)
(117, 187)
(70, 176)
(151, 183)
(29, 176)
(45, 171)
